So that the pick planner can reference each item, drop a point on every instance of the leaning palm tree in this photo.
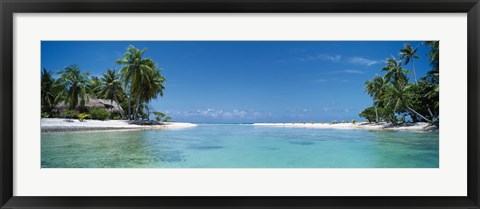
(153, 84)
(74, 85)
(408, 54)
(394, 71)
(135, 73)
(399, 96)
(111, 87)
(376, 89)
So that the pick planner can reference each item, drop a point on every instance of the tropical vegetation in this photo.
(138, 82)
(395, 98)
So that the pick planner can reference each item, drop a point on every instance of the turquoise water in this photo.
(240, 146)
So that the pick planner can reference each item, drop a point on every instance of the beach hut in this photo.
(93, 103)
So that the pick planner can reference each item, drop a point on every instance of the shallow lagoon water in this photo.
(240, 146)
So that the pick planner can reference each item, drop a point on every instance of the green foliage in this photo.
(393, 95)
(167, 118)
(68, 114)
(117, 117)
(110, 87)
(83, 116)
(159, 116)
(334, 122)
(344, 121)
(144, 80)
(99, 114)
(74, 86)
(354, 121)
(48, 92)
(369, 114)
(94, 86)
(407, 53)
(45, 115)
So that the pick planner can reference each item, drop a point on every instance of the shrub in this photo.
(117, 117)
(344, 121)
(167, 118)
(334, 122)
(68, 114)
(99, 114)
(354, 121)
(82, 117)
(159, 116)
(369, 114)
(45, 115)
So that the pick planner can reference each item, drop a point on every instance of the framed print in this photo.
(239, 104)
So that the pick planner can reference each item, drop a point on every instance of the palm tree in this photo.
(151, 88)
(408, 54)
(47, 91)
(154, 88)
(398, 96)
(394, 71)
(433, 55)
(376, 89)
(135, 73)
(74, 86)
(94, 86)
(111, 87)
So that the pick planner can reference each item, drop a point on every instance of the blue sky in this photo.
(248, 81)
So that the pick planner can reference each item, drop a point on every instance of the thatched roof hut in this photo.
(93, 103)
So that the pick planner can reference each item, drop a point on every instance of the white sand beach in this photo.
(61, 124)
(420, 126)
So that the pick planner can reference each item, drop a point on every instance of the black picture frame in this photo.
(9, 7)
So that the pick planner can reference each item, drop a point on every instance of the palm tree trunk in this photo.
(430, 112)
(148, 111)
(129, 105)
(414, 73)
(376, 114)
(138, 104)
(423, 117)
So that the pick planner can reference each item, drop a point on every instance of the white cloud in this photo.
(363, 61)
(349, 71)
(221, 114)
(332, 58)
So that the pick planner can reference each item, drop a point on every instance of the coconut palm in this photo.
(394, 71)
(47, 91)
(408, 54)
(111, 87)
(94, 86)
(398, 97)
(74, 85)
(152, 87)
(135, 73)
(376, 89)
(433, 55)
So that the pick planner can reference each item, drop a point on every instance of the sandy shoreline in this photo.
(61, 124)
(359, 125)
